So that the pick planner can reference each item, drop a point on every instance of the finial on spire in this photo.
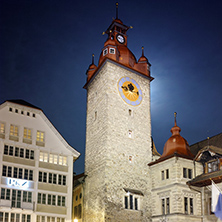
(175, 118)
(117, 10)
(142, 51)
(93, 58)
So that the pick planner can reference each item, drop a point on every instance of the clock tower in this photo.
(118, 133)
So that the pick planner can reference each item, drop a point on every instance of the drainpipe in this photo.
(201, 202)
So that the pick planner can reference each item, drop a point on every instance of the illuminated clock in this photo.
(130, 91)
(120, 38)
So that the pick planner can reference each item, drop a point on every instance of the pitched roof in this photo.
(22, 102)
(214, 141)
(205, 179)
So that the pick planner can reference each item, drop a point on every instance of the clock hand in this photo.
(125, 88)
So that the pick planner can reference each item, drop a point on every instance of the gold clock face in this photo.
(130, 91)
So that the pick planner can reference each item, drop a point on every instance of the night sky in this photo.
(46, 47)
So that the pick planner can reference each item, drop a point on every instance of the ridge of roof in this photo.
(212, 141)
(22, 102)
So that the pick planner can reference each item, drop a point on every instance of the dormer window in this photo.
(112, 51)
(105, 52)
(212, 166)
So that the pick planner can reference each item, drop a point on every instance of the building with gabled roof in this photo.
(36, 165)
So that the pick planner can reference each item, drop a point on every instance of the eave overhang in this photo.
(205, 179)
(118, 63)
(161, 159)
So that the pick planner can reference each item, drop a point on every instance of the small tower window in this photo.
(112, 51)
(130, 159)
(105, 52)
(130, 133)
(130, 112)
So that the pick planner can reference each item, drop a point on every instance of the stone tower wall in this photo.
(108, 148)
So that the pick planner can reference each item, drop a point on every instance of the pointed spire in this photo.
(93, 58)
(142, 51)
(175, 119)
(117, 10)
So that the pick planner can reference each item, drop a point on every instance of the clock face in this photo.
(120, 38)
(130, 91)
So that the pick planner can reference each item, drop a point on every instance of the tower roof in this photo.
(115, 48)
(176, 145)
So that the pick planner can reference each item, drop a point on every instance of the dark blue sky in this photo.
(46, 48)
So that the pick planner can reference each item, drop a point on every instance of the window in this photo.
(49, 219)
(163, 206)
(63, 160)
(26, 174)
(22, 152)
(54, 200)
(185, 205)
(14, 130)
(50, 178)
(105, 52)
(191, 205)
(40, 137)
(167, 174)
(184, 172)
(187, 173)
(53, 158)
(27, 197)
(51, 199)
(131, 201)
(2, 128)
(18, 152)
(40, 176)
(165, 202)
(15, 217)
(162, 174)
(43, 157)
(10, 109)
(44, 177)
(43, 198)
(188, 205)
(17, 172)
(213, 166)
(16, 198)
(54, 178)
(5, 194)
(112, 51)
(6, 150)
(130, 134)
(16, 110)
(167, 205)
(27, 133)
(63, 201)
(4, 171)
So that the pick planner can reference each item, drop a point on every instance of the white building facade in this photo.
(36, 166)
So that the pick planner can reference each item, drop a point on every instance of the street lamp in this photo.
(75, 220)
